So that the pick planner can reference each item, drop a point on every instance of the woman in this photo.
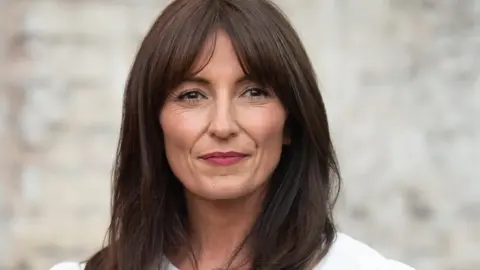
(225, 159)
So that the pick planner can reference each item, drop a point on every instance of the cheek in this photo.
(180, 129)
(265, 124)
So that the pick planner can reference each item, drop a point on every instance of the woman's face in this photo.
(223, 133)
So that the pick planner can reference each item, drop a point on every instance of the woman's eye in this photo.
(191, 96)
(256, 93)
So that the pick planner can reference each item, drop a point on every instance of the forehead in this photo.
(217, 58)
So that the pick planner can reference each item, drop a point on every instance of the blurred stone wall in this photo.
(401, 82)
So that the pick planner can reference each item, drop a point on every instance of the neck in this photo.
(219, 227)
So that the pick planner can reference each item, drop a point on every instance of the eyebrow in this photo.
(204, 81)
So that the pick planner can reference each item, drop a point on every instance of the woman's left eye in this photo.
(256, 93)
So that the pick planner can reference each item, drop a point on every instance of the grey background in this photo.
(400, 79)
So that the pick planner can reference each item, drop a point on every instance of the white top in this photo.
(346, 254)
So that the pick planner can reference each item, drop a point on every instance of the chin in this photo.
(225, 192)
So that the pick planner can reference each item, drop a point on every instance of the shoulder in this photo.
(349, 254)
(68, 266)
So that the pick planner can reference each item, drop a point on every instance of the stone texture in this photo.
(401, 79)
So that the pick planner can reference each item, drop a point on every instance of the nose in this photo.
(223, 124)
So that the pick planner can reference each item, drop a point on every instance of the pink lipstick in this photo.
(224, 158)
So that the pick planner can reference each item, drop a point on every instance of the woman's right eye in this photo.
(191, 96)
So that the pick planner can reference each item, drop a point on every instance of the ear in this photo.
(286, 140)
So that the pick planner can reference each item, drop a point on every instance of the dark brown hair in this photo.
(295, 228)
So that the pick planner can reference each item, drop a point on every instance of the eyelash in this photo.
(199, 95)
(184, 96)
(261, 91)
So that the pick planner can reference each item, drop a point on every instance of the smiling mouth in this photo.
(224, 158)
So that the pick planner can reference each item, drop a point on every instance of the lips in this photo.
(224, 158)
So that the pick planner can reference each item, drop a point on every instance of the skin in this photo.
(220, 110)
